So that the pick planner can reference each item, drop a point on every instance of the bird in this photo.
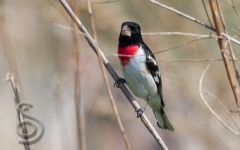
(141, 73)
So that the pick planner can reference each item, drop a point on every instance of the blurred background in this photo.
(41, 56)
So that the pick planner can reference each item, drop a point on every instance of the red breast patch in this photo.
(126, 53)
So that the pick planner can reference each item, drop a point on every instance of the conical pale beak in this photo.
(126, 30)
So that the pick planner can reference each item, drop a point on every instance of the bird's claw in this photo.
(140, 111)
(118, 81)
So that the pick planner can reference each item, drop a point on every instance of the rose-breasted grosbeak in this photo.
(141, 73)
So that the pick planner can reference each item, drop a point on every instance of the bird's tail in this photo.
(162, 119)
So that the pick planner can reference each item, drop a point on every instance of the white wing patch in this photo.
(156, 77)
(152, 59)
(157, 73)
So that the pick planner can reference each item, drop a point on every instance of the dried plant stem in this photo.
(224, 52)
(224, 107)
(178, 46)
(9, 55)
(180, 33)
(188, 60)
(205, 102)
(11, 80)
(104, 2)
(229, 43)
(126, 92)
(205, 8)
(79, 109)
(106, 80)
(234, 8)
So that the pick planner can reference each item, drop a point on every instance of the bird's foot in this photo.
(118, 81)
(140, 111)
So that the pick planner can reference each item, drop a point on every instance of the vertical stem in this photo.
(10, 59)
(224, 52)
(229, 44)
(80, 119)
(119, 121)
(10, 78)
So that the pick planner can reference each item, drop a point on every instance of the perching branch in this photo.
(114, 75)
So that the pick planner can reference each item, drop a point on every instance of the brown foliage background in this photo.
(45, 64)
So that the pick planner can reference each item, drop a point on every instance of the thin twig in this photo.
(188, 60)
(173, 48)
(229, 43)
(192, 19)
(105, 2)
(120, 124)
(180, 33)
(224, 53)
(238, 34)
(79, 109)
(11, 62)
(224, 107)
(114, 75)
(205, 8)
(205, 102)
(181, 14)
(177, 60)
(68, 28)
(234, 8)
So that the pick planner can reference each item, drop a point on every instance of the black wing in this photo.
(153, 69)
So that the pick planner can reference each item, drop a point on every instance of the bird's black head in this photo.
(130, 34)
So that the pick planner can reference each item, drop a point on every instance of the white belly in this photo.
(138, 78)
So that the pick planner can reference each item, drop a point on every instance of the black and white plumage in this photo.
(140, 71)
